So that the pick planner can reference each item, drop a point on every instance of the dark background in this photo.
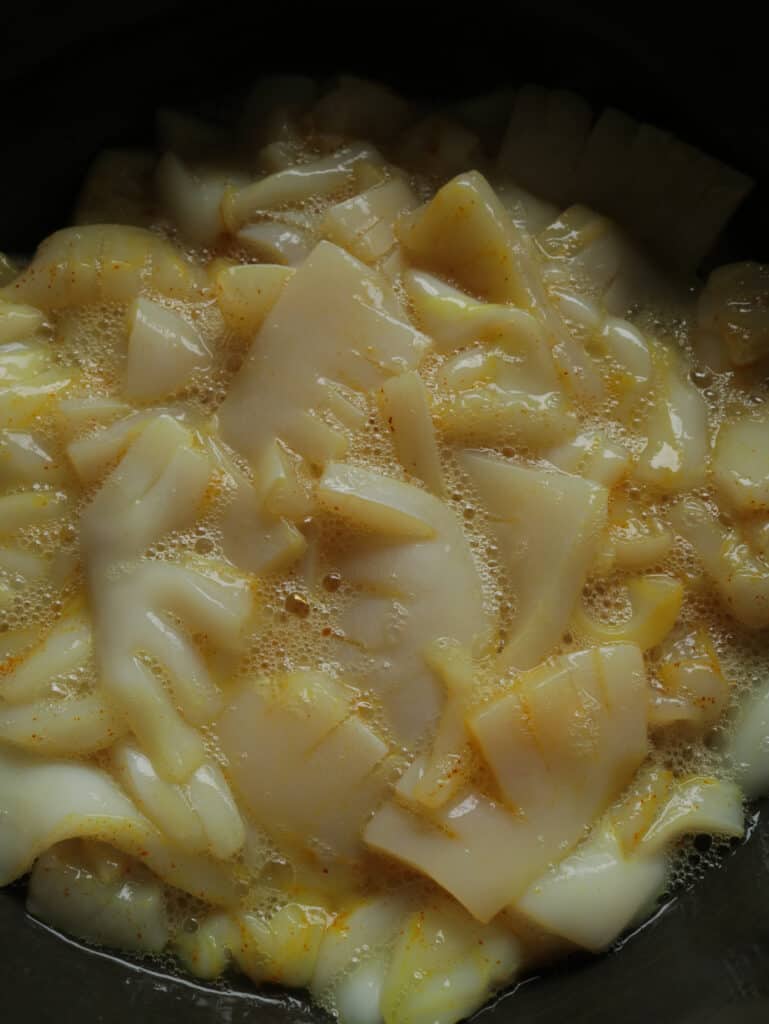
(73, 80)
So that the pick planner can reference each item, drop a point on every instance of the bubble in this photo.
(332, 581)
(297, 604)
(701, 376)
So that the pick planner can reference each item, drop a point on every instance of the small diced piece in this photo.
(734, 305)
(83, 411)
(284, 949)
(465, 233)
(640, 805)
(26, 459)
(275, 241)
(628, 352)
(201, 815)
(246, 292)
(592, 455)
(322, 177)
(207, 951)
(30, 508)
(740, 573)
(18, 322)
(94, 453)
(406, 409)
(356, 933)
(364, 224)
(193, 197)
(73, 726)
(23, 361)
(163, 352)
(747, 743)
(254, 541)
(638, 539)
(278, 485)
(454, 320)
(596, 892)
(675, 457)
(376, 502)
(741, 464)
(697, 804)
(693, 690)
(599, 258)
(444, 966)
(446, 768)
(91, 891)
(65, 649)
(8, 269)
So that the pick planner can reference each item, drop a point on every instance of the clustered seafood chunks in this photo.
(378, 525)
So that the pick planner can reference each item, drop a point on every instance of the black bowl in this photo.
(73, 82)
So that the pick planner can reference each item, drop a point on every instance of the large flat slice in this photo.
(335, 322)
(548, 526)
(562, 744)
(410, 591)
(307, 766)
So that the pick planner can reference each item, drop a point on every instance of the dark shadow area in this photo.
(705, 958)
(75, 83)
